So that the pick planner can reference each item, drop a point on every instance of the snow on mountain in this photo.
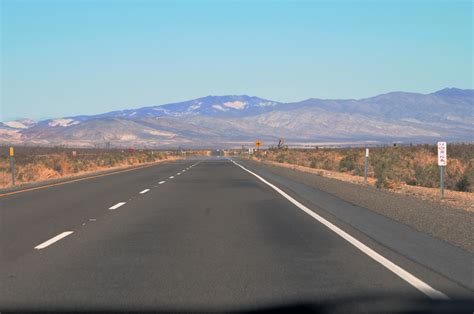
(15, 125)
(235, 104)
(20, 124)
(62, 122)
(219, 107)
(215, 106)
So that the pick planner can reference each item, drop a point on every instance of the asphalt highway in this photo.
(204, 234)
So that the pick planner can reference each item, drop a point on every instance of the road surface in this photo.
(201, 234)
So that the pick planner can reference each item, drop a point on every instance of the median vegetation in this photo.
(35, 164)
(389, 166)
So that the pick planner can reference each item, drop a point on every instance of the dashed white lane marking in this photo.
(179, 173)
(397, 270)
(161, 182)
(53, 240)
(172, 177)
(117, 205)
(144, 191)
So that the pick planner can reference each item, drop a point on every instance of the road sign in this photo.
(442, 154)
(11, 151)
(258, 144)
(442, 161)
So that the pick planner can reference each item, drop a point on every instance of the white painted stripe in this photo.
(118, 205)
(397, 270)
(144, 191)
(171, 177)
(179, 173)
(161, 182)
(52, 240)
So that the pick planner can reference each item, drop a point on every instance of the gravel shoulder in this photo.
(453, 225)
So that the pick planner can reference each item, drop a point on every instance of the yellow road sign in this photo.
(11, 151)
(258, 143)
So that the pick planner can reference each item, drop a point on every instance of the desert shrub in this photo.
(280, 158)
(469, 174)
(383, 169)
(58, 167)
(426, 175)
(328, 165)
(150, 157)
(463, 184)
(348, 162)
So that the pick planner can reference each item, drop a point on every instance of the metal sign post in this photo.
(12, 166)
(442, 162)
(366, 167)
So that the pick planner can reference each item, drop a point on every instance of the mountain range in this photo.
(231, 121)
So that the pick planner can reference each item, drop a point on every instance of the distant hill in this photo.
(233, 120)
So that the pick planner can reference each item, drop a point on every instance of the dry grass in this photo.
(36, 164)
(390, 167)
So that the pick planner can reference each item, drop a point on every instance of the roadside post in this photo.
(366, 167)
(442, 161)
(12, 165)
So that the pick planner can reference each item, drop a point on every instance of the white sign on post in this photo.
(366, 152)
(442, 154)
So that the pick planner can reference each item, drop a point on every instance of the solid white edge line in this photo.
(144, 191)
(397, 270)
(161, 182)
(118, 205)
(53, 240)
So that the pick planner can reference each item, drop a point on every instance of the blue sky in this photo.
(64, 58)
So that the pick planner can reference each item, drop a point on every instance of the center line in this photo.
(52, 240)
(144, 191)
(161, 182)
(117, 205)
